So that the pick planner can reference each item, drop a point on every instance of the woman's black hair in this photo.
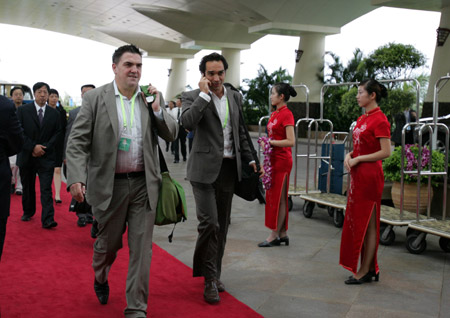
(285, 89)
(53, 91)
(373, 86)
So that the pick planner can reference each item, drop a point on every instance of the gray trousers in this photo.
(129, 206)
(213, 207)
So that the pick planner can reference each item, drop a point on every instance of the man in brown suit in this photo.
(112, 155)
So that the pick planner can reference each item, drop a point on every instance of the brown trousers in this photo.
(129, 206)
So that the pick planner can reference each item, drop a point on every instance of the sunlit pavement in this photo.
(304, 279)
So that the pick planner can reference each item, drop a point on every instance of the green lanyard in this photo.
(226, 115)
(124, 115)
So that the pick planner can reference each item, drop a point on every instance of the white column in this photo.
(177, 78)
(311, 62)
(441, 62)
(233, 57)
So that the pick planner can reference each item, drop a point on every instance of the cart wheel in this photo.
(308, 208)
(410, 231)
(415, 249)
(331, 211)
(290, 203)
(389, 237)
(338, 217)
(444, 243)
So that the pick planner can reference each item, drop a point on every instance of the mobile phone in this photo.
(148, 97)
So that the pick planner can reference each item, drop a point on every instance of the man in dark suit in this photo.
(401, 119)
(11, 140)
(180, 142)
(42, 128)
(17, 94)
(219, 148)
(83, 210)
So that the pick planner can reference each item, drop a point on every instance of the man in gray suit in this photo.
(112, 155)
(214, 165)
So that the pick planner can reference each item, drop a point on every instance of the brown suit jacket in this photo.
(93, 144)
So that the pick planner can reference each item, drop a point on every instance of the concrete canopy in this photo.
(178, 29)
(182, 23)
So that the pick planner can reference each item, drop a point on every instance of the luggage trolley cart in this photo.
(417, 230)
(296, 189)
(389, 216)
(335, 202)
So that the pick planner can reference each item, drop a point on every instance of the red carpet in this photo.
(48, 273)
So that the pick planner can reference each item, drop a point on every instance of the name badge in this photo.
(124, 144)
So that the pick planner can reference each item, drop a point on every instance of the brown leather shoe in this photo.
(220, 286)
(211, 294)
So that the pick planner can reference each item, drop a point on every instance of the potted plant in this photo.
(392, 172)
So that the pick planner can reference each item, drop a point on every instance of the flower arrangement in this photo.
(392, 165)
(267, 151)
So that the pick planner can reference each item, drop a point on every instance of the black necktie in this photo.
(178, 115)
(41, 116)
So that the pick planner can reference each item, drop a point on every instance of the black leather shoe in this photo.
(82, 222)
(102, 292)
(176, 161)
(211, 294)
(285, 240)
(365, 279)
(49, 225)
(58, 201)
(374, 275)
(275, 242)
(89, 219)
(19, 192)
(220, 286)
(25, 218)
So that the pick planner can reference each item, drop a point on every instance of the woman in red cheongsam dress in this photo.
(281, 131)
(371, 144)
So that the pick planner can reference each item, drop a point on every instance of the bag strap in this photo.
(162, 161)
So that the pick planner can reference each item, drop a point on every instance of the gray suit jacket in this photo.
(206, 155)
(93, 145)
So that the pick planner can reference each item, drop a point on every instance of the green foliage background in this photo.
(390, 61)
(256, 93)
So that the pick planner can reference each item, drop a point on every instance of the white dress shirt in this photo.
(221, 107)
(132, 160)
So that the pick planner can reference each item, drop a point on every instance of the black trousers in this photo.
(180, 142)
(28, 176)
(5, 199)
(213, 207)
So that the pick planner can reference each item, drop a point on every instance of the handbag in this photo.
(250, 187)
(171, 207)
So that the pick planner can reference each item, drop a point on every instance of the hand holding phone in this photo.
(204, 84)
(148, 96)
(151, 96)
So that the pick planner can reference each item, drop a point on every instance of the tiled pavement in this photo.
(304, 279)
